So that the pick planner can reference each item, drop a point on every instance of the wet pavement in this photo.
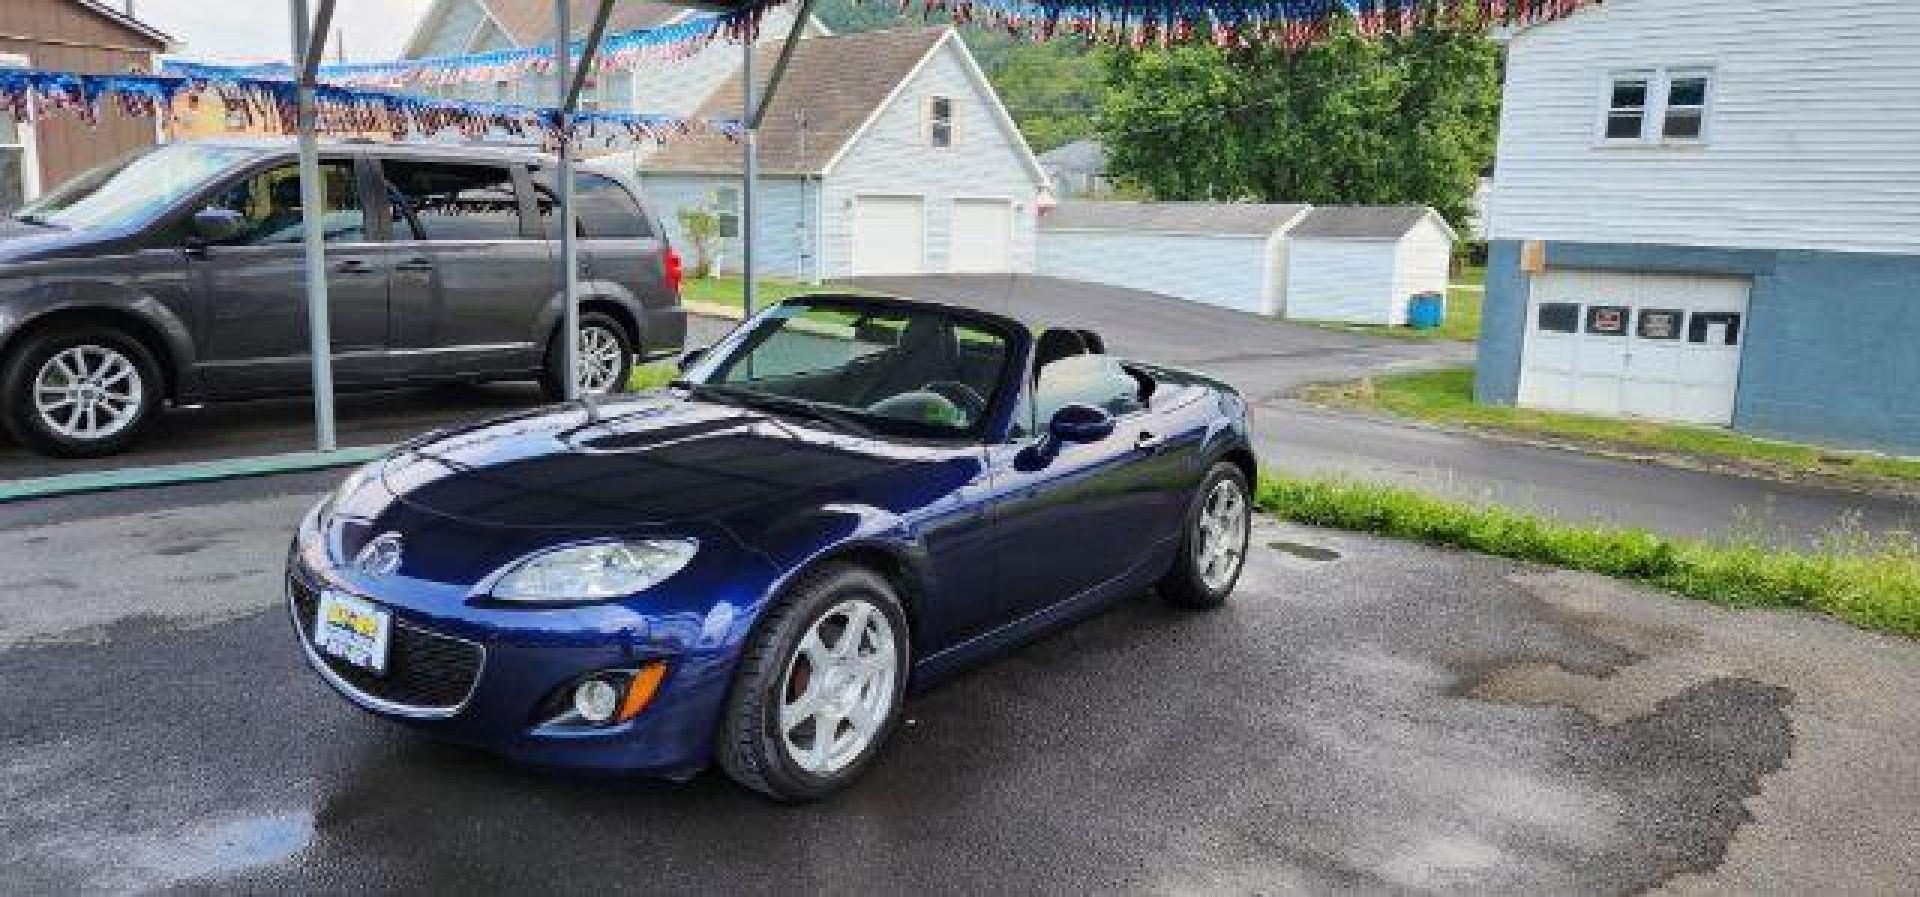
(1365, 715)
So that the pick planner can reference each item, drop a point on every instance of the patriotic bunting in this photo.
(626, 51)
(1293, 24)
(29, 94)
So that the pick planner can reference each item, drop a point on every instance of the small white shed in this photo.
(1232, 255)
(1360, 264)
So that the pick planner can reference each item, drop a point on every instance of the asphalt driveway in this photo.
(1365, 716)
(1268, 359)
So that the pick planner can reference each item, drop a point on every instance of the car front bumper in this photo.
(500, 689)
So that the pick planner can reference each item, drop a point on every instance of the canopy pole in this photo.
(309, 41)
(568, 84)
(753, 112)
(750, 182)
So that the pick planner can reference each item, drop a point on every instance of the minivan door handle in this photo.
(352, 266)
(1149, 443)
(415, 264)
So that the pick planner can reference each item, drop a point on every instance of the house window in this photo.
(16, 153)
(940, 122)
(1686, 116)
(726, 206)
(1657, 106)
(1627, 108)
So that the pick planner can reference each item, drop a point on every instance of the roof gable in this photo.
(1365, 222)
(835, 85)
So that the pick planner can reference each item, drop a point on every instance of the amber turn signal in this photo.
(640, 691)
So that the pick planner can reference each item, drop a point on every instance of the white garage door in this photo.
(1645, 345)
(982, 236)
(889, 235)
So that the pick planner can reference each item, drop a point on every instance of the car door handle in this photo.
(353, 266)
(415, 265)
(1150, 443)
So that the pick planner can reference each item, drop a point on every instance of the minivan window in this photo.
(605, 209)
(135, 187)
(269, 204)
(452, 201)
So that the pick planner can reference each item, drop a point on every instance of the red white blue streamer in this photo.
(1293, 24)
(30, 94)
(625, 51)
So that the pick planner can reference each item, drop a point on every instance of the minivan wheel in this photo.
(606, 359)
(79, 391)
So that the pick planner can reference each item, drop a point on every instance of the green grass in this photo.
(1462, 323)
(1873, 583)
(652, 376)
(1447, 397)
(728, 290)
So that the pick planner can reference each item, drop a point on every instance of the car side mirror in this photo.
(691, 357)
(217, 225)
(1080, 423)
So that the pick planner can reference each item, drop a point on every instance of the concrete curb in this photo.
(177, 474)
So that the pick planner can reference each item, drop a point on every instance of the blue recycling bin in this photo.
(1427, 311)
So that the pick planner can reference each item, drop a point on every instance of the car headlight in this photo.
(595, 572)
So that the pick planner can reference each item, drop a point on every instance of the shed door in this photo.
(982, 236)
(889, 235)
(1658, 346)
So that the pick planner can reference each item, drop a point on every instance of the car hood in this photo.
(625, 463)
(23, 242)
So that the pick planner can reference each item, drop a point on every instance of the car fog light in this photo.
(596, 700)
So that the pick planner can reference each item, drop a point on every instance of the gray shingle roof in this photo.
(837, 81)
(529, 22)
(1360, 222)
(1256, 219)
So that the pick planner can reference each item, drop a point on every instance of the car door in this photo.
(251, 308)
(1082, 514)
(468, 280)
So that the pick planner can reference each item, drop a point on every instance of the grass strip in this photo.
(1446, 397)
(1868, 581)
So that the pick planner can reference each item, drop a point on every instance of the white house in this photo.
(884, 152)
(1233, 255)
(1710, 212)
(1361, 264)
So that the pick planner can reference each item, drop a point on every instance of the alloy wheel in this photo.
(601, 355)
(838, 690)
(1223, 534)
(88, 392)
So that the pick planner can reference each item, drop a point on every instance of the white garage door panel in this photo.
(1682, 379)
(982, 236)
(889, 235)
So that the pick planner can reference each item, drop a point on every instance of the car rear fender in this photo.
(595, 295)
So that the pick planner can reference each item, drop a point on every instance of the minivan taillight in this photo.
(675, 272)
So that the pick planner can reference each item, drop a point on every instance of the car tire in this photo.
(606, 350)
(782, 697)
(1213, 549)
(113, 390)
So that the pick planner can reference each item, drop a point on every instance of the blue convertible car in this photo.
(844, 497)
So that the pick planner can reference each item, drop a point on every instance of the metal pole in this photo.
(750, 175)
(569, 246)
(313, 198)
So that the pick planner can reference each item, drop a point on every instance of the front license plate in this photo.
(353, 630)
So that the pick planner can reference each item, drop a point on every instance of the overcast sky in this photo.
(259, 30)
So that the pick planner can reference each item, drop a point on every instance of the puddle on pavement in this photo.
(1308, 552)
(233, 846)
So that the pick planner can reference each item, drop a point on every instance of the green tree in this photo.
(1350, 120)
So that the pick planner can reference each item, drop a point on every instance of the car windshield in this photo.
(887, 369)
(134, 187)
